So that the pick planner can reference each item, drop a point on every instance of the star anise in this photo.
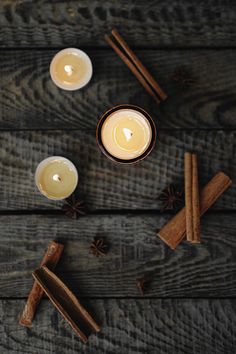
(99, 247)
(142, 285)
(172, 198)
(182, 77)
(73, 207)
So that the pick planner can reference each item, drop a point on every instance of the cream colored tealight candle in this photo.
(56, 177)
(71, 69)
(126, 134)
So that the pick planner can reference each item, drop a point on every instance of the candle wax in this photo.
(70, 68)
(57, 180)
(126, 134)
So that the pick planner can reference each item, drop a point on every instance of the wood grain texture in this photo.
(30, 100)
(128, 326)
(103, 184)
(206, 270)
(174, 23)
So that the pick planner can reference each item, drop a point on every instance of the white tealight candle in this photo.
(56, 177)
(126, 134)
(71, 69)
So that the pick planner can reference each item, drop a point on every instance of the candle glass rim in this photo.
(75, 86)
(44, 161)
(115, 109)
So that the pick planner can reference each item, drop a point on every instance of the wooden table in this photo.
(190, 306)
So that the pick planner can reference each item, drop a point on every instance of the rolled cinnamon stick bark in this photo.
(195, 201)
(133, 68)
(51, 258)
(188, 186)
(66, 303)
(149, 78)
(174, 231)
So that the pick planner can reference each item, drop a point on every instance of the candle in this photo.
(127, 133)
(56, 177)
(71, 69)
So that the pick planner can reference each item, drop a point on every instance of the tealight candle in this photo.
(56, 177)
(71, 69)
(126, 133)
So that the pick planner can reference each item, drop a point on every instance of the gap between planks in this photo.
(5, 130)
(116, 212)
(107, 48)
(134, 298)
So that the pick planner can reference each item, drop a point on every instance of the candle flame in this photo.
(128, 134)
(68, 69)
(56, 177)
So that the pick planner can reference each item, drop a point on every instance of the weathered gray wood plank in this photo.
(128, 326)
(157, 23)
(206, 270)
(106, 185)
(30, 100)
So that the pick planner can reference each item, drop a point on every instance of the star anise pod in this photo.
(142, 285)
(172, 198)
(182, 77)
(99, 247)
(73, 207)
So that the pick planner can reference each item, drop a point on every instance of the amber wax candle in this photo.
(71, 69)
(56, 177)
(127, 133)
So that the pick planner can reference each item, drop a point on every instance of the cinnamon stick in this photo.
(174, 231)
(188, 194)
(149, 78)
(195, 200)
(50, 259)
(66, 303)
(192, 197)
(132, 67)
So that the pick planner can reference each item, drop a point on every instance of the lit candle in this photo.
(56, 177)
(71, 69)
(127, 133)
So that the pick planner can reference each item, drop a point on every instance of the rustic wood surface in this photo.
(190, 305)
(207, 270)
(128, 326)
(146, 23)
(105, 185)
(30, 100)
